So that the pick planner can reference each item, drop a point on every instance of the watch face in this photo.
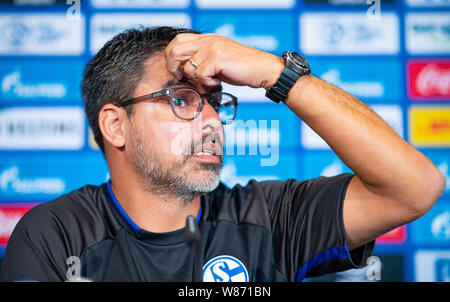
(298, 60)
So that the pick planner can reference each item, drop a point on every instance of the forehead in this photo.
(157, 77)
(155, 72)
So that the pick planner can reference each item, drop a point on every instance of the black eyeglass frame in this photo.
(169, 92)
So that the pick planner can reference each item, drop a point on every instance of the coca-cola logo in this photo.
(429, 80)
(10, 214)
(397, 235)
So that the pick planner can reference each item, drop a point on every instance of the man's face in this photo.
(164, 147)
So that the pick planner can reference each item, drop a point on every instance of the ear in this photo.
(112, 125)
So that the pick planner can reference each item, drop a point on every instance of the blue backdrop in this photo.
(393, 55)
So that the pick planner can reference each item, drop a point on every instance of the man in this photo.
(154, 102)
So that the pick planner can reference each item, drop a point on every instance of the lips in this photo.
(206, 152)
(210, 146)
(207, 149)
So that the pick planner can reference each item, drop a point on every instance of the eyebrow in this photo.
(175, 83)
(184, 83)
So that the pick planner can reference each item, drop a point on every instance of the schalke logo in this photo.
(224, 269)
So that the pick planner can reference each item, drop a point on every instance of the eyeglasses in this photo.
(187, 103)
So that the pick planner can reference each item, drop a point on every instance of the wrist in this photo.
(275, 69)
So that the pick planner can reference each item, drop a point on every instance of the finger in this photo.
(189, 71)
(190, 66)
(179, 50)
(208, 72)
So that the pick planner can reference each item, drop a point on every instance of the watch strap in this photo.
(279, 91)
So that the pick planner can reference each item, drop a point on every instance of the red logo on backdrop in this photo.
(429, 79)
(10, 214)
(396, 236)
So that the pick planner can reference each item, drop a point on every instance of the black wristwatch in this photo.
(295, 67)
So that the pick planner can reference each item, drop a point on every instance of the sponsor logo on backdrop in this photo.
(443, 270)
(239, 169)
(256, 4)
(429, 79)
(27, 82)
(370, 89)
(429, 126)
(434, 227)
(348, 2)
(427, 3)
(427, 33)
(41, 34)
(441, 158)
(432, 266)
(10, 214)
(396, 236)
(271, 32)
(335, 168)
(391, 114)
(230, 176)
(256, 130)
(348, 33)
(140, 3)
(321, 163)
(27, 128)
(42, 177)
(33, 2)
(268, 43)
(105, 26)
(14, 85)
(374, 79)
(247, 94)
(444, 168)
(12, 181)
(440, 227)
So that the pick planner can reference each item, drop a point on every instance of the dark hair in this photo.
(115, 71)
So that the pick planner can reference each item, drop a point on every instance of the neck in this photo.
(156, 212)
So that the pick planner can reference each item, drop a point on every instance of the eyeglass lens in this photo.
(186, 104)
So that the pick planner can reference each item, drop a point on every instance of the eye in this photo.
(179, 102)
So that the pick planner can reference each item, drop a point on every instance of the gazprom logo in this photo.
(225, 268)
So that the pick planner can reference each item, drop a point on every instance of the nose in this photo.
(208, 123)
(209, 116)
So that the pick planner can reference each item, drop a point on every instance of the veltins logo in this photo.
(225, 268)
(429, 126)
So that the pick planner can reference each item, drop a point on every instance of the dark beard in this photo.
(173, 180)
